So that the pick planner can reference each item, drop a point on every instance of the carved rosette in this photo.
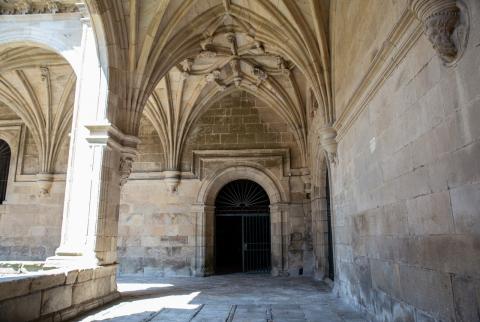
(446, 25)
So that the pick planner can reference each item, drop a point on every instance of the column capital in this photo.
(105, 133)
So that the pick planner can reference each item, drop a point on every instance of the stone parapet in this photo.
(56, 295)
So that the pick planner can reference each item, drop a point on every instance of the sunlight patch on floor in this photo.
(145, 307)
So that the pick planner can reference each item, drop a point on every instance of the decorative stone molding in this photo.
(403, 36)
(282, 66)
(235, 65)
(327, 136)
(207, 48)
(214, 76)
(83, 10)
(446, 25)
(24, 7)
(44, 73)
(259, 74)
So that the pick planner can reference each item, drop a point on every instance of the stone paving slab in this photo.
(225, 298)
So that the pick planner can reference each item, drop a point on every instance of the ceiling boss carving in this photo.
(229, 58)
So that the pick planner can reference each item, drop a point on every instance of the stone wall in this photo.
(407, 183)
(240, 121)
(158, 229)
(30, 223)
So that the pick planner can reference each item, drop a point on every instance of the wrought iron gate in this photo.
(256, 243)
(245, 202)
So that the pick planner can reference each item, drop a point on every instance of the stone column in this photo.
(279, 238)
(204, 239)
(100, 157)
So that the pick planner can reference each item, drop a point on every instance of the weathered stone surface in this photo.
(14, 286)
(47, 280)
(56, 299)
(24, 308)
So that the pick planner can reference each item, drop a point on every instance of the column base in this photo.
(64, 259)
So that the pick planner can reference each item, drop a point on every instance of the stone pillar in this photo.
(204, 239)
(99, 159)
(279, 238)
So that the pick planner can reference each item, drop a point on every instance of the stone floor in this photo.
(225, 298)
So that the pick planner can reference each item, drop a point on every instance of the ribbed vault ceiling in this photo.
(39, 85)
(174, 58)
(248, 44)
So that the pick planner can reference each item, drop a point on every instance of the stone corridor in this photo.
(236, 297)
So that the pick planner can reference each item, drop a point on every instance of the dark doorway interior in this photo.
(331, 269)
(229, 244)
(242, 229)
(5, 154)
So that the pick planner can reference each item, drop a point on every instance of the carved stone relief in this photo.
(446, 25)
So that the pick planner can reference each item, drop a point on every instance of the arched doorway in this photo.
(242, 228)
(5, 154)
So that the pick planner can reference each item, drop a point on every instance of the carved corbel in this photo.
(328, 143)
(172, 179)
(44, 183)
(125, 168)
(446, 25)
(128, 153)
(107, 135)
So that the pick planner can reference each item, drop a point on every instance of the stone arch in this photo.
(211, 186)
(205, 214)
(36, 37)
